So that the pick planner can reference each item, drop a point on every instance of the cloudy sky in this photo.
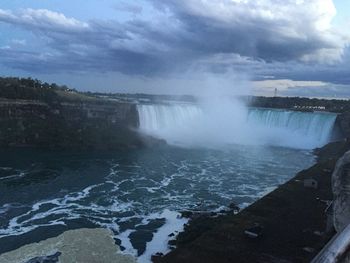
(300, 47)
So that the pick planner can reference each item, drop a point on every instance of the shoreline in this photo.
(293, 219)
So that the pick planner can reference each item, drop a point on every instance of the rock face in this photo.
(343, 124)
(80, 246)
(108, 125)
(341, 191)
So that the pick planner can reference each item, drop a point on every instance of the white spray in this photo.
(220, 119)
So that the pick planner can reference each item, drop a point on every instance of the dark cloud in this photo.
(130, 8)
(279, 38)
(337, 73)
(328, 91)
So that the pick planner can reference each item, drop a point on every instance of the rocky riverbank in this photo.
(294, 220)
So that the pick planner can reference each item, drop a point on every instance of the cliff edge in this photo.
(341, 192)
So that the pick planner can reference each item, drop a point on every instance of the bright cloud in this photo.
(290, 39)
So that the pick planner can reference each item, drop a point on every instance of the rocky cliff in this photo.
(69, 124)
(338, 249)
(342, 125)
(341, 191)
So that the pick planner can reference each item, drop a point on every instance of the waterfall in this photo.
(156, 117)
(316, 125)
(194, 124)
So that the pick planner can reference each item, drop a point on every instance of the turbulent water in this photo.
(189, 124)
(137, 194)
(230, 155)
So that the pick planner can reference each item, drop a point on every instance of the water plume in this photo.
(220, 118)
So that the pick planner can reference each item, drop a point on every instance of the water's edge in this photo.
(301, 205)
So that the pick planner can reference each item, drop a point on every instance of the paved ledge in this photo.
(80, 246)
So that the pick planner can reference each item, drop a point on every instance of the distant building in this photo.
(317, 108)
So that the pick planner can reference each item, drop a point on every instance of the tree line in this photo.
(30, 89)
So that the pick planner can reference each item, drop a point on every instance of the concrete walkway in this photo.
(78, 246)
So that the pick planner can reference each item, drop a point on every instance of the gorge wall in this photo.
(68, 125)
(341, 191)
(342, 125)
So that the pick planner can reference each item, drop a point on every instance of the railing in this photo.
(336, 250)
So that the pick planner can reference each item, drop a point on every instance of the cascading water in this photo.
(317, 126)
(190, 124)
(157, 117)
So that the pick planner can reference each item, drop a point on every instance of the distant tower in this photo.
(275, 93)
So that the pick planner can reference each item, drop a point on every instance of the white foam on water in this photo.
(244, 205)
(6, 168)
(174, 224)
(125, 242)
(66, 207)
(12, 176)
(265, 191)
(69, 207)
